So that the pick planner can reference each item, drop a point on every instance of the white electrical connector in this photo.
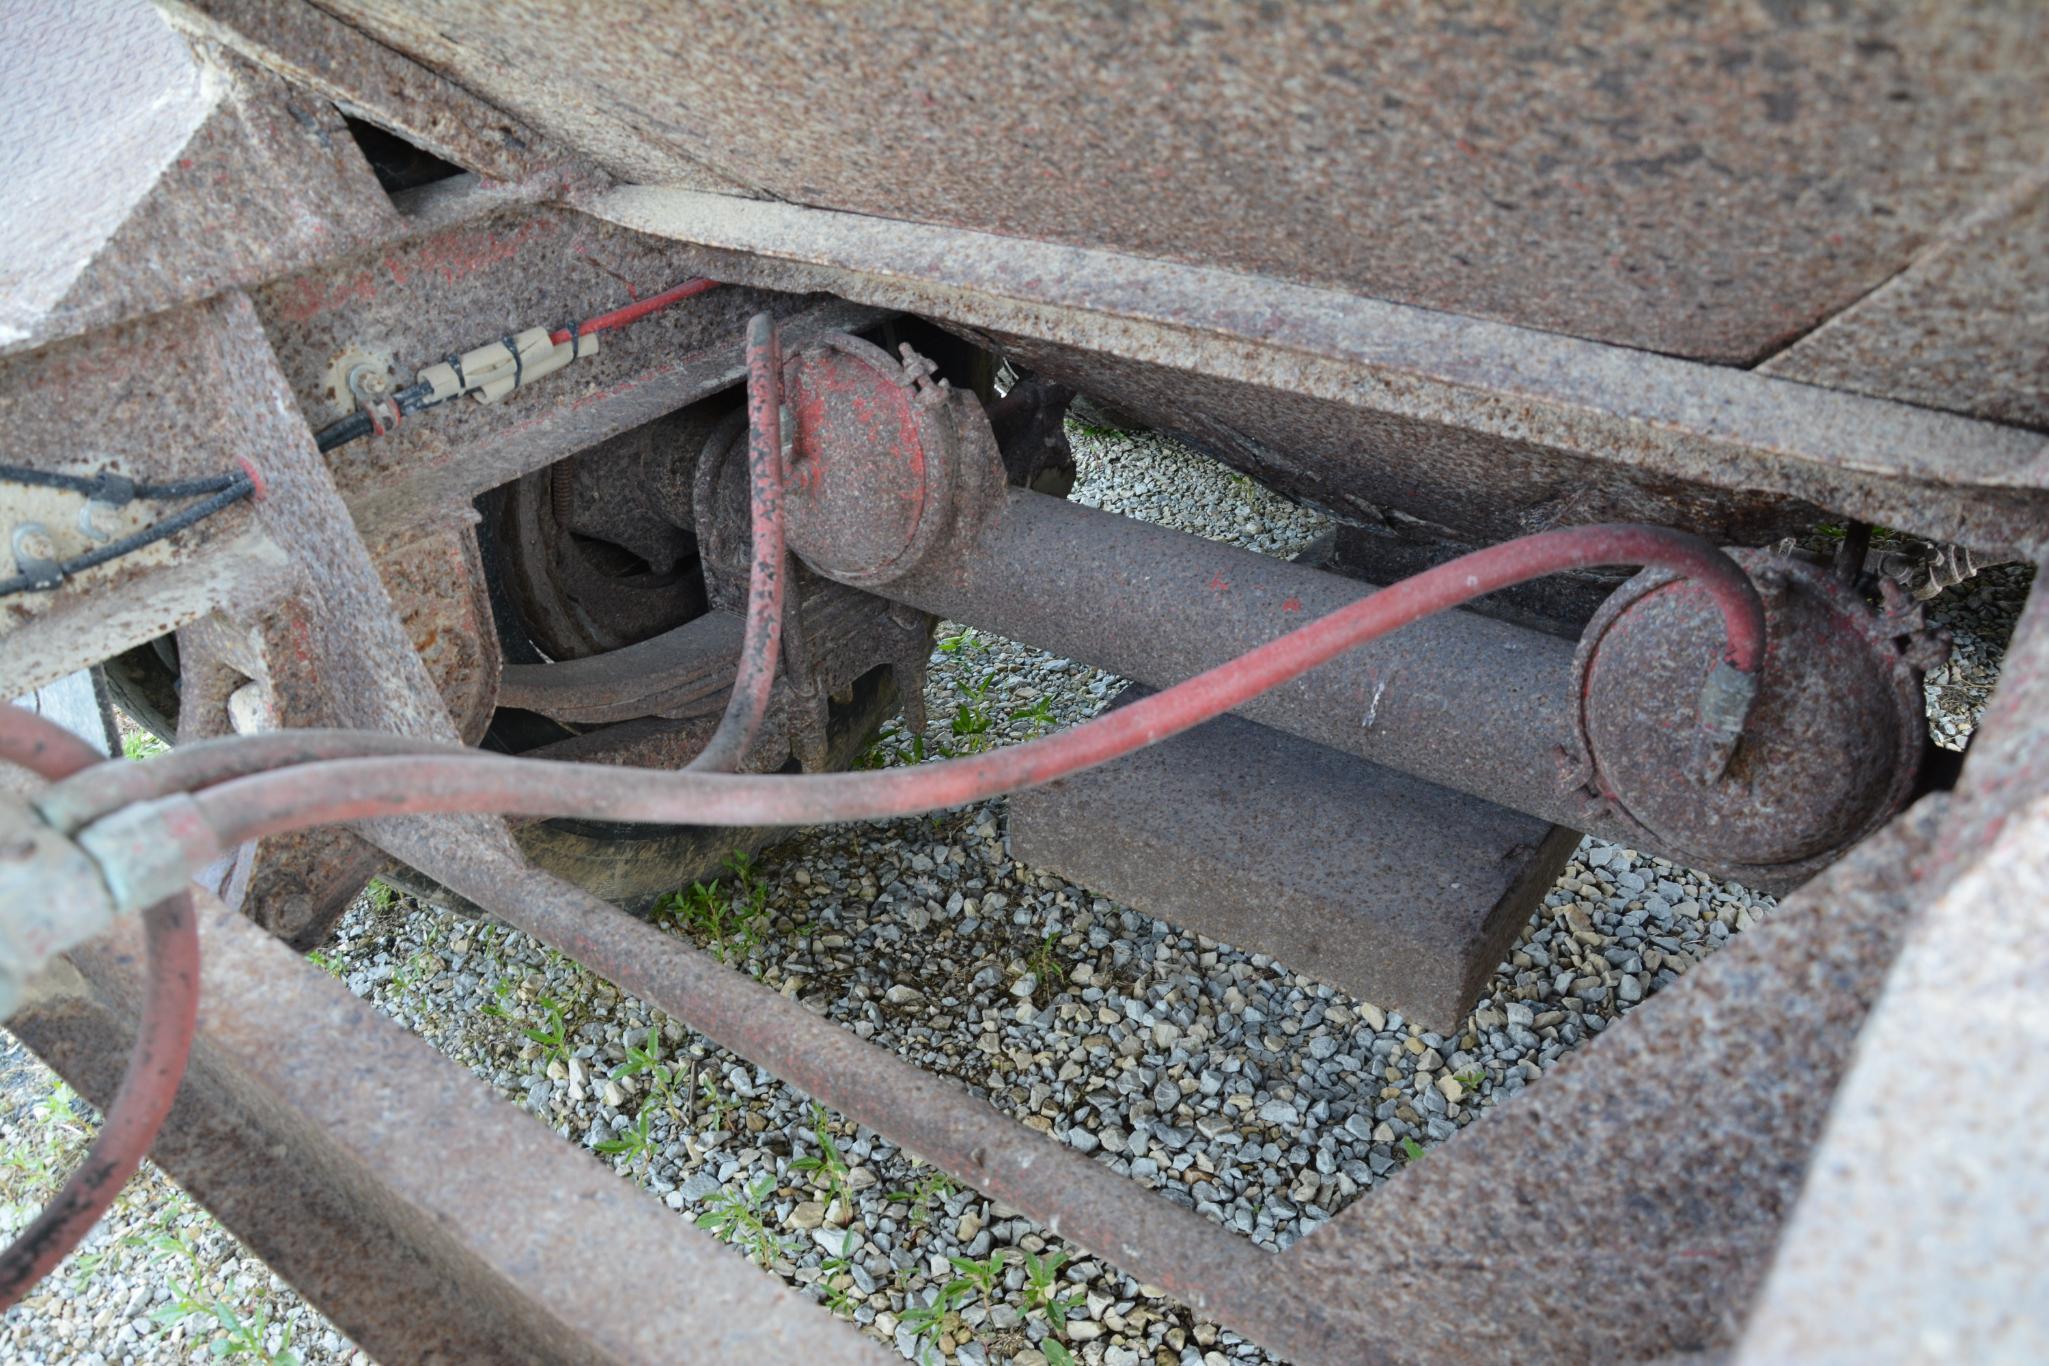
(491, 372)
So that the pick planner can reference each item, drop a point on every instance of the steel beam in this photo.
(1625, 1206)
(428, 1218)
(1362, 405)
(1200, 1262)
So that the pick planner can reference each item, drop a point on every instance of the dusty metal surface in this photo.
(1925, 1238)
(1832, 744)
(1959, 329)
(298, 885)
(369, 81)
(97, 404)
(687, 672)
(887, 468)
(239, 180)
(1692, 1122)
(504, 1246)
(1707, 182)
(634, 865)
(598, 551)
(412, 302)
(1362, 406)
(335, 648)
(1399, 892)
(683, 672)
(578, 595)
(436, 582)
(1710, 185)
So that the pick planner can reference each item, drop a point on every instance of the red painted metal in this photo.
(156, 1064)
(762, 646)
(1836, 729)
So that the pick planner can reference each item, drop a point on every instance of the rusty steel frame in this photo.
(1391, 398)
(1763, 1204)
(479, 1236)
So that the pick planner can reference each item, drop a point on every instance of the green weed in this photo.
(715, 1101)
(140, 744)
(1039, 714)
(928, 1194)
(552, 1036)
(736, 1219)
(1042, 1290)
(237, 1339)
(837, 1297)
(646, 1061)
(828, 1168)
(635, 1144)
(981, 1277)
(926, 1320)
(1044, 967)
(729, 922)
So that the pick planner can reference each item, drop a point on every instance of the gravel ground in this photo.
(1263, 1099)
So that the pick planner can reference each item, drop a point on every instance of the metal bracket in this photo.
(52, 897)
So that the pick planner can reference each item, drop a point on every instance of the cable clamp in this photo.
(149, 850)
(111, 493)
(35, 556)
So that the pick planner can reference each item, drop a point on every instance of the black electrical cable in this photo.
(238, 487)
(356, 426)
(113, 488)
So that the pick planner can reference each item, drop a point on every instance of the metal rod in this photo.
(1469, 702)
(366, 789)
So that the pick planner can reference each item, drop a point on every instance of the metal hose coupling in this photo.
(59, 891)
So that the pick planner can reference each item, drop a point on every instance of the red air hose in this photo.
(761, 646)
(359, 789)
(155, 1065)
(634, 312)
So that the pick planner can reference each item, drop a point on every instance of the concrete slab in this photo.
(1400, 892)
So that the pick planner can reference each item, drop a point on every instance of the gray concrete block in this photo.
(1400, 892)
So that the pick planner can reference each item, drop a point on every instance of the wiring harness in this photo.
(41, 571)
(496, 369)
